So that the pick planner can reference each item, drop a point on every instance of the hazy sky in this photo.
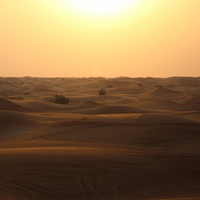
(158, 38)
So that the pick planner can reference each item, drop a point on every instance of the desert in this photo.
(138, 141)
(99, 100)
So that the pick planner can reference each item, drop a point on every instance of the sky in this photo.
(52, 38)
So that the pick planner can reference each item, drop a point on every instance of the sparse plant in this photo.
(61, 99)
(102, 92)
(109, 86)
(27, 93)
(158, 86)
(140, 85)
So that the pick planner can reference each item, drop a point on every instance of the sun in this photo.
(100, 7)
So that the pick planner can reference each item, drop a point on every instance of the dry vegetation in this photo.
(141, 140)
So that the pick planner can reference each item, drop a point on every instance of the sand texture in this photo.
(140, 141)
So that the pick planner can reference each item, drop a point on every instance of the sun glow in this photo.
(101, 7)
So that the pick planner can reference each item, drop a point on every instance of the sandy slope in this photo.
(7, 104)
(139, 141)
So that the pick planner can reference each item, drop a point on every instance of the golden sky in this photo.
(157, 38)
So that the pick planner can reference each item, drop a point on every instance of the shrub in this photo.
(158, 86)
(27, 93)
(109, 86)
(102, 92)
(61, 99)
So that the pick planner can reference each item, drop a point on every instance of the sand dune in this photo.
(164, 118)
(162, 94)
(140, 141)
(96, 98)
(192, 99)
(6, 104)
(124, 101)
(85, 105)
(12, 119)
(14, 125)
(117, 133)
(41, 106)
(112, 110)
(47, 106)
(10, 91)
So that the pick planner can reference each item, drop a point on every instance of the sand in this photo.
(140, 141)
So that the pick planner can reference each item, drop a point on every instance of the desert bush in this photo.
(109, 86)
(102, 92)
(158, 86)
(61, 99)
(27, 93)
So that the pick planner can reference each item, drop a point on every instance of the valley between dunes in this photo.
(140, 141)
